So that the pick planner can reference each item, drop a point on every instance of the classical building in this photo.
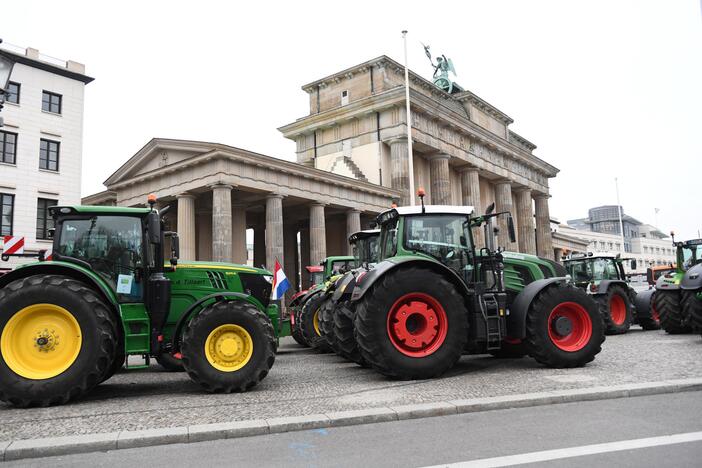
(41, 144)
(352, 163)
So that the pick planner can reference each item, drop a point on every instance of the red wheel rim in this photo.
(417, 325)
(580, 331)
(654, 314)
(617, 309)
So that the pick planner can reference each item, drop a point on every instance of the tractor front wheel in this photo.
(616, 309)
(670, 312)
(309, 324)
(326, 323)
(343, 316)
(58, 340)
(295, 332)
(646, 313)
(228, 347)
(412, 324)
(564, 327)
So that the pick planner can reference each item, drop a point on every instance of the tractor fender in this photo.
(344, 285)
(665, 283)
(365, 280)
(65, 269)
(197, 306)
(604, 285)
(516, 322)
(692, 279)
(642, 303)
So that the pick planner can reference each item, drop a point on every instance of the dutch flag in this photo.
(280, 282)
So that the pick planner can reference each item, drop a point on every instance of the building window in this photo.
(13, 92)
(8, 147)
(7, 202)
(49, 155)
(51, 102)
(44, 220)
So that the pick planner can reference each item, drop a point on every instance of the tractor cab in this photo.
(588, 271)
(365, 246)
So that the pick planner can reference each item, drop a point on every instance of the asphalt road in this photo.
(555, 435)
(303, 382)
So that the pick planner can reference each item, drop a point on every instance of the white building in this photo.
(41, 144)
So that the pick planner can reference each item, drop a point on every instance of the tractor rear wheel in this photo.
(296, 332)
(228, 347)
(170, 363)
(646, 313)
(564, 327)
(344, 314)
(616, 309)
(309, 324)
(57, 340)
(692, 307)
(412, 324)
(326, 323)
(670, 312)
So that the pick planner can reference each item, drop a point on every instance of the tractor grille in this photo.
(217, 280)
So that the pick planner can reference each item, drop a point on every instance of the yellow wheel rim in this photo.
(228, 347)
(315, 322)
(41, 341)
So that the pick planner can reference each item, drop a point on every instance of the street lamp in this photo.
(6, 65)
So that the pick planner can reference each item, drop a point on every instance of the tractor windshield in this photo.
(444, 237)
(592, 269)
(112, 245)
(692, 255)
(388, 238)
(365, 250)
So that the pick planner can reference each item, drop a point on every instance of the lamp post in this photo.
(6, 65)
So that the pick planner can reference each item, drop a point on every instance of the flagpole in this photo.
(619, 210)
(410, 165)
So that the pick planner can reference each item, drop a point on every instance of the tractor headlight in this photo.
(269, 279)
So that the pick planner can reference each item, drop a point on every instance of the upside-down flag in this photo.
(280, 282)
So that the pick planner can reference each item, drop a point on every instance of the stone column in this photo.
(239, 252)
(318, 234)
(544, 245)
(470, 196)
(399, 164)
(558, 254)
(186, 225)
(503, 202)
(274, 230)
(259, 246)
(353, 224)
(221, 223)
(525, 221)
(440, 179)
(304, 257)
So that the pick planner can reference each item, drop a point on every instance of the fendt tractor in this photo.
(70, 323)
(603, 277)
(678, 293)
(433, 296)
(319, 275)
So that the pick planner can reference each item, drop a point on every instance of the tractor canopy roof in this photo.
(97, 210)
(353, 238)
(689, 243)
(426, 209)
(338, 258)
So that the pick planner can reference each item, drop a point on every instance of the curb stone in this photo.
(35, 448)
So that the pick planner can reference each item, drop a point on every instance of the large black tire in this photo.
(233, 314)
(673, 319)
(118, 361)
(692, 307)
(343, 316)
(309, 324)
(170, 363)
(296, 332)
(510, 350)
(389, 346)
(616, 309)
(646, 313)
(558, 347)
(326, 323)
(98, 333)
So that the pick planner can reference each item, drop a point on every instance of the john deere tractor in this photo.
(434, 296)
(678, 296)
(70, 323)
(603, 277)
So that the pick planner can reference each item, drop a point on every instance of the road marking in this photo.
(546, 455)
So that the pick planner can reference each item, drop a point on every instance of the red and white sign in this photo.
(13, 245)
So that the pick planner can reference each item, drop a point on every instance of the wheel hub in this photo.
(417, 325)
(562, 326)
(229, 347)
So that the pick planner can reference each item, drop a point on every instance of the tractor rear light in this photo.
(360, 277)
(593, 287)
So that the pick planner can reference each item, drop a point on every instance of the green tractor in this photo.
(603, 277)
(305, 326)
(69, 323)
(434, 296)
(678, 294)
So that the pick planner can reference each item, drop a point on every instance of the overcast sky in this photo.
(605, 89)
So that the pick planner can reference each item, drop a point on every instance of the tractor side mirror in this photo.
(490, 208)
(51, 232)
(510, 229)
(175, 246)
(633, 264)
(153, 224)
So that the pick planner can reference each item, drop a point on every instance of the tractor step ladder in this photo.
(491, 314)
